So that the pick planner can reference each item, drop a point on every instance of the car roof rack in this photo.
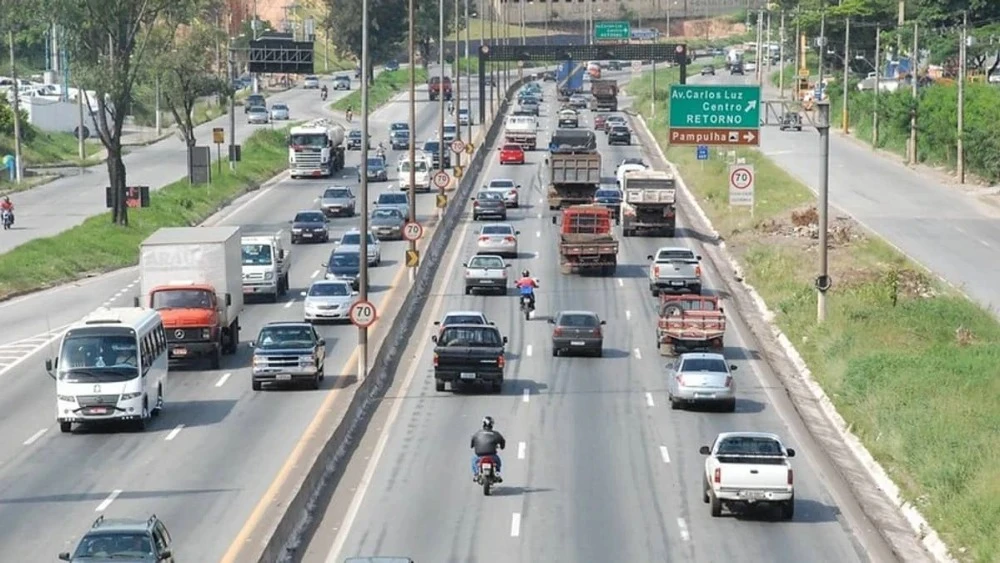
(98, 522)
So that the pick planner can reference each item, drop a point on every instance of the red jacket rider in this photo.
(6, 205)
(527, 285)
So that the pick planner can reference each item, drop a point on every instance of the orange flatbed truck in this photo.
(194, 277)
(586, 240)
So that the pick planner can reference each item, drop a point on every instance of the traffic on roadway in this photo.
(604, 392)
(203, 462)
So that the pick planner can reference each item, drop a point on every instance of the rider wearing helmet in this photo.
(486, 442)
(527, 285)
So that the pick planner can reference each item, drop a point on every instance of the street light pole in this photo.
(440, 134)
(363, 173)
(412, 149)
(823, 280)
(232, 107)
(468, 76)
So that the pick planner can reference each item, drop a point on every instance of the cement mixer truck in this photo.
(315, 149)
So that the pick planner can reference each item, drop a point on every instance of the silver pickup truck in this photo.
(748, 469)
(486, 272)
(674, 269)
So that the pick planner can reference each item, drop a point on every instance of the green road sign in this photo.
(612, 31)
(714, 107)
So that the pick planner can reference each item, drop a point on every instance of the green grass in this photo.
(99, 246)
(51, 148)
(480, 29)
(386, 86)
(909, 364)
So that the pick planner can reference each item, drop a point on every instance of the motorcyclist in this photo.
(350, 114)
(8, 206)
(451, 107)
(485, 443)
(380, 151)
(323, 91)
(527, 285)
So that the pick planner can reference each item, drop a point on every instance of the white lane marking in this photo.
(314, 274)
(34, 437)
(539, 215)
(50, 337)
(526, 396)
(649, 400)
(289, 304)
(665, 454)
(107, 502)
(527, 350)
(173, 433)
(685, 535)
(628, 315)
(621, 283)
(637, 354)
(521, 450)
(222, 380)
(538, 234)
(515, 524)
(535, 255)
(541, 200)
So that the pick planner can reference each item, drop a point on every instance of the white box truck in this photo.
(194, 276)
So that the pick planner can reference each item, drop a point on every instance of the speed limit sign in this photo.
(363, 314)
(441, 179)
(413, 231)
(457, 146)
(741, 184)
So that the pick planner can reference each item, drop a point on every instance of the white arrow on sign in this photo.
(750, 106)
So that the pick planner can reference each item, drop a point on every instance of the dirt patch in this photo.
(804, 224)
(711, 27)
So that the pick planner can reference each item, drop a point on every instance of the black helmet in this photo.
(525, 274)
(487, 423)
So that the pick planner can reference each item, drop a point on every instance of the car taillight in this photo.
(791, 478)
(435, 359)
(697, 271)
(484, 239)
(501, 362)
(729, 381)
(513, 193)
(475, 204)
(656, 271)
(557, 332)
(597, 332)
(509, 239)
(718, 475)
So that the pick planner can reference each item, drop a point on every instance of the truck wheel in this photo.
(654, 292)
(704, 490)
(611, 269)
(216, 359)
(256, 385)
(716, 505)
(788, 509)
(65, 427)
(730, 406)
(314, 382)
(498, 386)
(438, 385)
(696, 289)
(671, 233)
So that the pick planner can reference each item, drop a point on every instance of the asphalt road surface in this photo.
(206, 461)
(597, 467)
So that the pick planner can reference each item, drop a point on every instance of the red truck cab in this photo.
(190, 316)
(436, 87)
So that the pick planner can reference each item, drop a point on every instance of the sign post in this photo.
(715, 115)
(612, 31)
(741, 186)
(218, 137)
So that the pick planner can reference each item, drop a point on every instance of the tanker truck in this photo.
(315, 149)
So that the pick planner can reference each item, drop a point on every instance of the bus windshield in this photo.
(101, 355)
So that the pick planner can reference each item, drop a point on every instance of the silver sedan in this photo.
(329, 300)
(702, 378)
(258, 115)
(280, 112)
(499, 239)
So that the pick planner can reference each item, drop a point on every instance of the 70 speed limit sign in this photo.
(741, 184)
(363, 314)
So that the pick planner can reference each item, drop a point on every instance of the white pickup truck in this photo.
(522, 130)
(745, 469)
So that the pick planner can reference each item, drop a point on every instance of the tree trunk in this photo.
(191, 143)
(116, 175)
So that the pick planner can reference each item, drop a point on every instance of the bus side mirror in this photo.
(135, 301)
(229, 299)
(50, 366)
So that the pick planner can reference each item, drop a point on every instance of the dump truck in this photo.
(649, 204)
(690, 323)
(569, 79)
(604, 95)
(586, 240)
(193, 277)
(574, 168)
(316, 149)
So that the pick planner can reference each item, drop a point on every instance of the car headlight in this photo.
(307, 361)
(296, 230)
(268, 275)
(128, 396)
(206, 333)
(259, 361)
(66, 398)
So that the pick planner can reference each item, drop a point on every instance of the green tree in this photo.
(110, 45)
(425, 25)
(387, 26)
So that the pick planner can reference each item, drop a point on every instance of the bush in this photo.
(7, 123)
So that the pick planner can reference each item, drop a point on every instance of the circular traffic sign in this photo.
(363, 314)
(741, 178)
(457, 146)
(413, 231)
(485, 49)
(441, 179)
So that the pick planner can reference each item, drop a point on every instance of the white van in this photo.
(422, 172)
(112, 367)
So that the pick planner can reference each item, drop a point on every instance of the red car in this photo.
(600, 121)
(511, 154)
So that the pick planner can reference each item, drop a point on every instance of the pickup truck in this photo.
(690, 323)
(288, 352)
(674, 270)
(436, 90)
(586, 240)
(486, 272)
(469, 354)
(747, 469)
(522, 130)
(568, 118)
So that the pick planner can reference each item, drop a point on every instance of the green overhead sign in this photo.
(612, 31)
(714, 107)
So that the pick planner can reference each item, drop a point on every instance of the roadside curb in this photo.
(918, 540)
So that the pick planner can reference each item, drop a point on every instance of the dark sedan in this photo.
(310, 226)
(377, 171)
(354, 140)
(610, 198)
(577, 332)
(619, 135)
(489, 204)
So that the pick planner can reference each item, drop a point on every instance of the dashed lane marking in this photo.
(107, 502)
(649, 400)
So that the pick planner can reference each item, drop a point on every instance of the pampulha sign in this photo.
(714, 115)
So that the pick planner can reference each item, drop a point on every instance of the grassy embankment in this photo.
(480, 28)
(908, 363)
(386, 86)
(98, 246)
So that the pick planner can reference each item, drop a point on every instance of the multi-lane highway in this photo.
(597, 467)
(209, 457)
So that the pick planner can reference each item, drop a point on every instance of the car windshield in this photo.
(503, 184)
(514, 148)
(497, 230)
(355, 134)
(485, 337)
(375, 162)
(285, 337)
(355, 239)
(106, 546)
(393, 199)
(345, 260)
(616, 119)
(421, 166)
(463, 320)
(608, 194)
(329, 290)
(182, 299)
(675, 256)
(450, 128)
(578, 320)
(279, 106)
(714, 365)
(342, 79)
(399, 127)
(749, 445)
(431, 147)
(337, 193)
(312, 77)
(634, 161)
(486, 262)
(256, 255)
(488, 196)
(387, 214)
(309, 218)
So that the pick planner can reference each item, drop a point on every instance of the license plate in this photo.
(283, 377)
(676, 283)
(486, 281)
(577, 343)
(180, 351)
(753, 495)
(466, 375)
(704, 395)
(98, 410)
(307, 235)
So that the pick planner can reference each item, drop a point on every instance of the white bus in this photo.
(112, 367)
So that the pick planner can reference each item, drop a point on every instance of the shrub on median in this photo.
(98, 246)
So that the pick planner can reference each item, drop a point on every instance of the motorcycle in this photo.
(526, 307)
(322, 95)
(8, 219)
(487, 474)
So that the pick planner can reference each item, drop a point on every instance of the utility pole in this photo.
(781, 57)
(914, 64)
(523, 38)
(961, 96)
(760, 46)
(363, 174)
(232, 108)
(900, 21)
(440, 134)
(878, 85)
(412, 149)
(847, 73)
(767, 50)
(18, 168)
(156, 88)
(81, 148)
(468, 76)
(822, 52)
(823, 282)
(492, 67)
(457, 80)
(800, 61)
